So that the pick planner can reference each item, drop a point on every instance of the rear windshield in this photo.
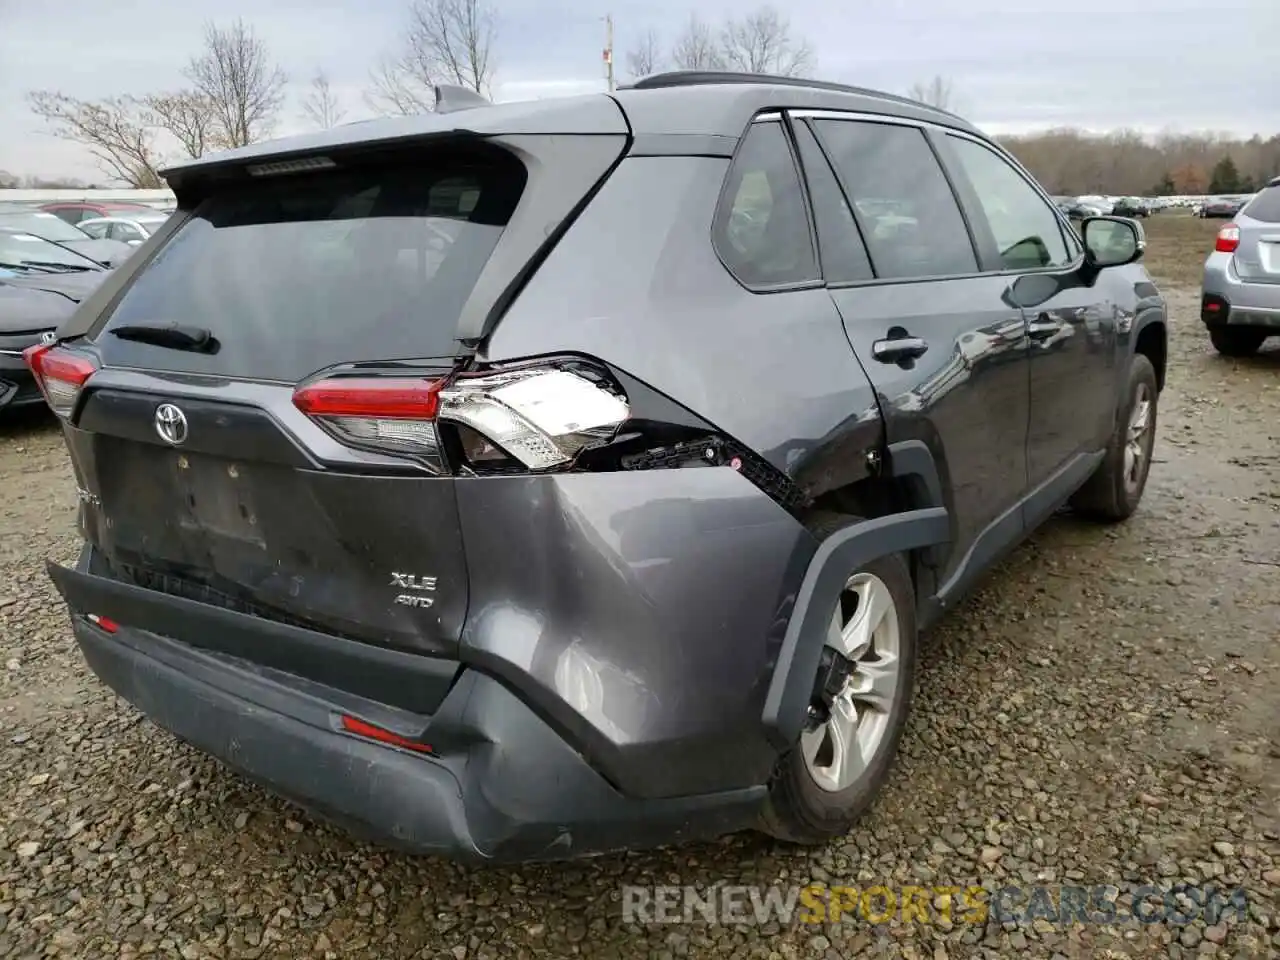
(1265, 206)
(292, 274)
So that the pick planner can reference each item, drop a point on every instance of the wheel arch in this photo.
(1151, 339)
(791, 685)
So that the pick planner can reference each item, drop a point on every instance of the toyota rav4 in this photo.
(530, 480)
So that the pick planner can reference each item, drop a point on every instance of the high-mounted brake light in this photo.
(541, 416)
(59, 374)
(301, 165)
(1228, 239)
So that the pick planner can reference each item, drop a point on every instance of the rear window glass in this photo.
(292, 274)
(1265, 206)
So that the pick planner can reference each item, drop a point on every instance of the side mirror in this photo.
(1112, 241)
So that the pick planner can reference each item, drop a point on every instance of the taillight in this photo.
(541, 416)
(392, 413)
(1228, 239)
(59, 374)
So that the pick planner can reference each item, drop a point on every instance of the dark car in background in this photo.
(536, 479)
(1131, 207)
(1221, 207)
(48, 226)
(40, 285)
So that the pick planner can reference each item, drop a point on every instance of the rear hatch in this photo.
(1257, 258)
(199, 474)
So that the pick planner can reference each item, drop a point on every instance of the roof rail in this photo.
(450, 97)
(693, 78)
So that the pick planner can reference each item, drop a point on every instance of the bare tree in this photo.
(243, 86)
(645, 57)
(445, 41)
(938, 92)
(114, 130)
(695, 48)
(320, 105)
(187, 115)
(761, 42)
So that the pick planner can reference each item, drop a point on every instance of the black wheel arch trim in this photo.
(841, 553)
(914, 459)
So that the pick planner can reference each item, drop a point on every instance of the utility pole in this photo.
(608, 50)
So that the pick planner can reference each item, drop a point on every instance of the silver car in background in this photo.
(1240, 301)
(132, 229)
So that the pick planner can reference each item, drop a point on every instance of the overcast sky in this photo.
(1100, 64)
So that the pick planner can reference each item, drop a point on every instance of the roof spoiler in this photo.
(450, 97)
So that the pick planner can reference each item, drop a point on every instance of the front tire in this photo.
(1115, 489)
(1236, 341)
(843, 757)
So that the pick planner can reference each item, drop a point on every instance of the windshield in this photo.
(25, 249)
(292, 275)
(47, 225)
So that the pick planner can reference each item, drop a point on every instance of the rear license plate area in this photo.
(218, 499)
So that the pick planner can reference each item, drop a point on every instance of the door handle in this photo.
(899, 349)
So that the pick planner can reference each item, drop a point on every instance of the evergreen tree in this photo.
(1225, 177)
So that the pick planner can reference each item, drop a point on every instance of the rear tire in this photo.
(809, 800)
(1236, 341)
(1113, 491)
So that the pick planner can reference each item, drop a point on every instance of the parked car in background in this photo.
(1080, 210)
(73, 211)
(630, 536)
(109, 253)
(131, 229)
(1240, 295)
(40, 285)
(1221, 207)
(1130, 207)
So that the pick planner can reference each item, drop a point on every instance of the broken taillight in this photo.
(59, 374)
(540, 416)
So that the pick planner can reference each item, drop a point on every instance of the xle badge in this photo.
(419, 587)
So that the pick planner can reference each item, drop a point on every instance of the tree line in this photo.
(234, 93)
(1126, 163)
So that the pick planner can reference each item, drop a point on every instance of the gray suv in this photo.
(532, 480)
(1240, 300)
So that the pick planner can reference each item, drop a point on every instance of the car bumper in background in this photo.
(1228, 300)
(17, 386)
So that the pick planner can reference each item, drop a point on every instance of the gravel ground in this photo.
(1106, 710)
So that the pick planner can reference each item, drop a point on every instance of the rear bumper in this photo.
(1228, 300)
(500, 786)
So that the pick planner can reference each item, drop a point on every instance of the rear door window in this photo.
(914, 227)
(844, 255)
(1265, 206)
(292, 274)
(762, 226)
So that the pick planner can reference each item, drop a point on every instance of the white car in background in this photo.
(131, 230)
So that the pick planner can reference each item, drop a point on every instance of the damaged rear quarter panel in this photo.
(640, 613)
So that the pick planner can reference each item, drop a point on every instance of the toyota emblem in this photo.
(171, 424)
